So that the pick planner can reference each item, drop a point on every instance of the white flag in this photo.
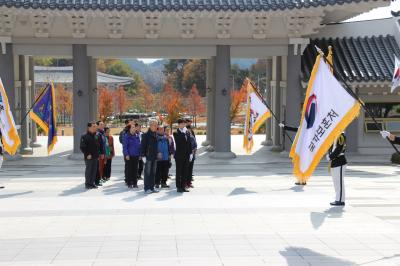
(256, 114)
(396, 74)
(9, 133)
(328, 109)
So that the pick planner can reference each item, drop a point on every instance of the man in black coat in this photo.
(90, 149)
(182, 155)
(149, 150)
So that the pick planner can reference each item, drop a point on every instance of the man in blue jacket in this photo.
(131, 150)
(162, 158)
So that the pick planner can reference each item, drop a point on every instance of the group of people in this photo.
(150, 152)
(97, 145)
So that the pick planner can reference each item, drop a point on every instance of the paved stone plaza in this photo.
(244, 211)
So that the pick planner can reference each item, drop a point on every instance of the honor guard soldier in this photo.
(338, 165)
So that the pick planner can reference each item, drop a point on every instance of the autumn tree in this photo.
(105, 103)
(194, 104)
(172, 104)
(120, 100)
(147, 98)
(237, 99)
(63, 102)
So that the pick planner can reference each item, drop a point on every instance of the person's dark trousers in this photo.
(140, 169)
(190, 172)
(132, 168)
(182, 167)
(97, 174)
(150, 169)
(107, 169)
(162, 172)
(125, 171)
(91, 172)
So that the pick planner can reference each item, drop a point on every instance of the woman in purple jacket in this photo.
(131, 150)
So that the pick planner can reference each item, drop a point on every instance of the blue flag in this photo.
(44, 114)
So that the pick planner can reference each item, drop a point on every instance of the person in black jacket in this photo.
(338, 165)
(90, 149)
(394, 139)
(193, 142)
(149, 156)
(182, 155)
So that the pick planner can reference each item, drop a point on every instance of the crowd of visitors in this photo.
(150, 152)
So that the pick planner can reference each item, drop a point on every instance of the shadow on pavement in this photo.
(74, 190)
(170, 194)
(5, 196)
(318, 218)
(240, 191)
(292, 260)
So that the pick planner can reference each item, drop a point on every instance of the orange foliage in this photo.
(63, 102)
(120, 100)
(148, 98)
(237, 99)
(105, 102)
(195, 105)
(172, 103)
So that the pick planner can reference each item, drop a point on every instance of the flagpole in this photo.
(36, 100)
(353, 94)
(270, 110)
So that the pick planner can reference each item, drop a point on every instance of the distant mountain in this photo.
(153, 76)
(151, 73)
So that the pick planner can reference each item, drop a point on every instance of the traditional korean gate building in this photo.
(216, 30)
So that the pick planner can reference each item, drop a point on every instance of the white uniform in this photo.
(338, 167)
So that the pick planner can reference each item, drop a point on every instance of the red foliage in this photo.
(105, 103)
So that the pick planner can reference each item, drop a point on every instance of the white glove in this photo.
(385, 134)
(191, 157)
(144, 159)
(327, 158)
(281, 125)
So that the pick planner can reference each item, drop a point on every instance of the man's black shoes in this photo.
(337, 203)
(300, 184)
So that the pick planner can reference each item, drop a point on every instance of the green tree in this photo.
(194, 72)
(173, 70)
(238, 76)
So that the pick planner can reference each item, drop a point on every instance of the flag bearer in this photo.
(338, 165)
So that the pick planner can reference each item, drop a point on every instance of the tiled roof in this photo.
(64, 75)
(174, 5)
(359, 59)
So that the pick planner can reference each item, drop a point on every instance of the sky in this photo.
(377, 13)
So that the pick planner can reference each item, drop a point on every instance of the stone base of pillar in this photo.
(15, 157)
(284, 154)
(276, 148)
(35, 145)
(205, 143)
(76, 157)
(210, 148)
(267, 142)
(223, 155)
(26, 151)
